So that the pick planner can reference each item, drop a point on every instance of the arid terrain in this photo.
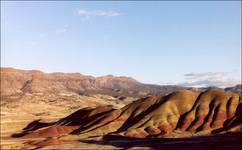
(74, 111)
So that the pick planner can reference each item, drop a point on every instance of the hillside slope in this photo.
(17, 81)
(183, 113)
(69, 88)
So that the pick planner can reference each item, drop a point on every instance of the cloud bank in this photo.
(207, 79)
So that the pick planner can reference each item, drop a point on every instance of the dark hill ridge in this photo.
(237, 88)
(183, 113)
(19, 82)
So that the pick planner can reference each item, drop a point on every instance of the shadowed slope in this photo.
(63, 126)
(182, 113)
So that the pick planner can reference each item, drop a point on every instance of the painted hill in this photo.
(183, 113)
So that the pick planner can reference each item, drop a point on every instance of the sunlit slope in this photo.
(181, 113)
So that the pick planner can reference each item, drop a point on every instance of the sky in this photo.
(188, 43)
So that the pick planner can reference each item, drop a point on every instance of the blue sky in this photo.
(186, 43)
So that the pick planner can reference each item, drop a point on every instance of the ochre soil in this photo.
(181, 118)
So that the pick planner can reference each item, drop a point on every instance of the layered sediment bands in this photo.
(212, 112)
(64, 126)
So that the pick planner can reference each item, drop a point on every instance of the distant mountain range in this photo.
(18, 84)
(15, 81)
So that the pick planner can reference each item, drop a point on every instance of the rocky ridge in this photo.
(33, 85)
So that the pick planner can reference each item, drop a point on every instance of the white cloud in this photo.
(206, 74)
(206, 79)
(86, 14)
